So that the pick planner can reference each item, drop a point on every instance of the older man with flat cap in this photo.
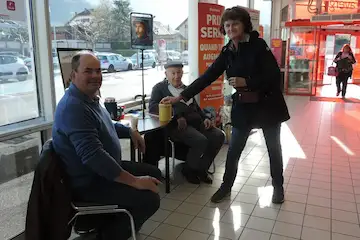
(192, 128)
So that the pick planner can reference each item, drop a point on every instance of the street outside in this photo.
(18, 100)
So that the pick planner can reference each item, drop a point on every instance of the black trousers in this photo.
(342, 79)
(142, 204)
(238, 140)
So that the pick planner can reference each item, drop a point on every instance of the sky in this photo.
(174, 12)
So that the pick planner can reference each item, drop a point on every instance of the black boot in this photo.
(221, 195)
(205, 177)
(190, 175)
(278, 195)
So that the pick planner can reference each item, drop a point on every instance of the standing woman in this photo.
(344, 64)
(258, 102)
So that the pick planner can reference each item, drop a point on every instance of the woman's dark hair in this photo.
(236, 14)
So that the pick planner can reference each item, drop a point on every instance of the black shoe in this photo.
(220, 195)
(190, 175)
(205, 177)
(337, 94)
(278, 195)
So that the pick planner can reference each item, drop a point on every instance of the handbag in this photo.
(332, 71)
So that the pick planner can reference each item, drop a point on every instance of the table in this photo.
(149, 124)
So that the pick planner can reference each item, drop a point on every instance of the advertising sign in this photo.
(141, 30)
(211, 42)
(13, 10)
(276, 47)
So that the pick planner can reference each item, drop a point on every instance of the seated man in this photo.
(193, 128)
(86, 140)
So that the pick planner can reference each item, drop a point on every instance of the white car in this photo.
(185, 57)
(12, 67)
(112, 62)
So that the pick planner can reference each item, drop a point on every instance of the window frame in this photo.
(38, 17)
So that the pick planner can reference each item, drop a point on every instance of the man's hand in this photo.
(170, 100)
(208, 124)
(237, 82)
(147, 183)
(138, 140)
(181, 123)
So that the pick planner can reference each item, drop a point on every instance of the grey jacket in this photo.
(180, 109)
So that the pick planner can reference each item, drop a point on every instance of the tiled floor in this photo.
(321, 149)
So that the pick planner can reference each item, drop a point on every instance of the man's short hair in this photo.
(75, 61)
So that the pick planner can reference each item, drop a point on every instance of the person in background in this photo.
(258, 102)
(192, 127)
(344, 64)
(87, 141)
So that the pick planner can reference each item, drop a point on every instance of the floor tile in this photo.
(278, 237)
(211, 213)
(345, 228)
(317, 222)
(319, 201)
(312, 233)
(318, 211)
(246, 198)
(287, 230)
(179, 219)
(337, 236)
(148, 227)
(201, 225)
(262, 224)
(345, 206)
(160, 215)
(293, 207)
(188, 234)
(345, 216)
(189, 208)
(198, 199)
(290, 217)
(250, 234)
(232, 216)
(226, 230)
(266, 212)
(169, 204)
(167, 232)
(245, 208)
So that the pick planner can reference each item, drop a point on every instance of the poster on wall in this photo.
(276, 47)
(141, 30)
(211, 42)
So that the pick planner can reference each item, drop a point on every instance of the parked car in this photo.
(185, 57)
(153, 52)
(173, 55)
(12, 67)
(112, 62)
(149, 60)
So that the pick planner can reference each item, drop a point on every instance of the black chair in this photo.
(91, 213)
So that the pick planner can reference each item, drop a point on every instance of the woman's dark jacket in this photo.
(255, 62)
(345, 65)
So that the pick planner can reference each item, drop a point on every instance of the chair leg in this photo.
(173, 155)
(213, 167)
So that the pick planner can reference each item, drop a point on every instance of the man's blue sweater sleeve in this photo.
(80, 127)
(121, 130)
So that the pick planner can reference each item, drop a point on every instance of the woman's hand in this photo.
(237, 82)
(170, 100)
(208, 124)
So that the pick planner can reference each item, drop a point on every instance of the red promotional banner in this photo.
(276, 47)
(211, 42)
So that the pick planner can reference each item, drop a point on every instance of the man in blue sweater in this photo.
(87, 140)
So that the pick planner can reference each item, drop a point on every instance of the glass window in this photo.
(18, 92)
(264, 7)
(18, 159)
(108, 31)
